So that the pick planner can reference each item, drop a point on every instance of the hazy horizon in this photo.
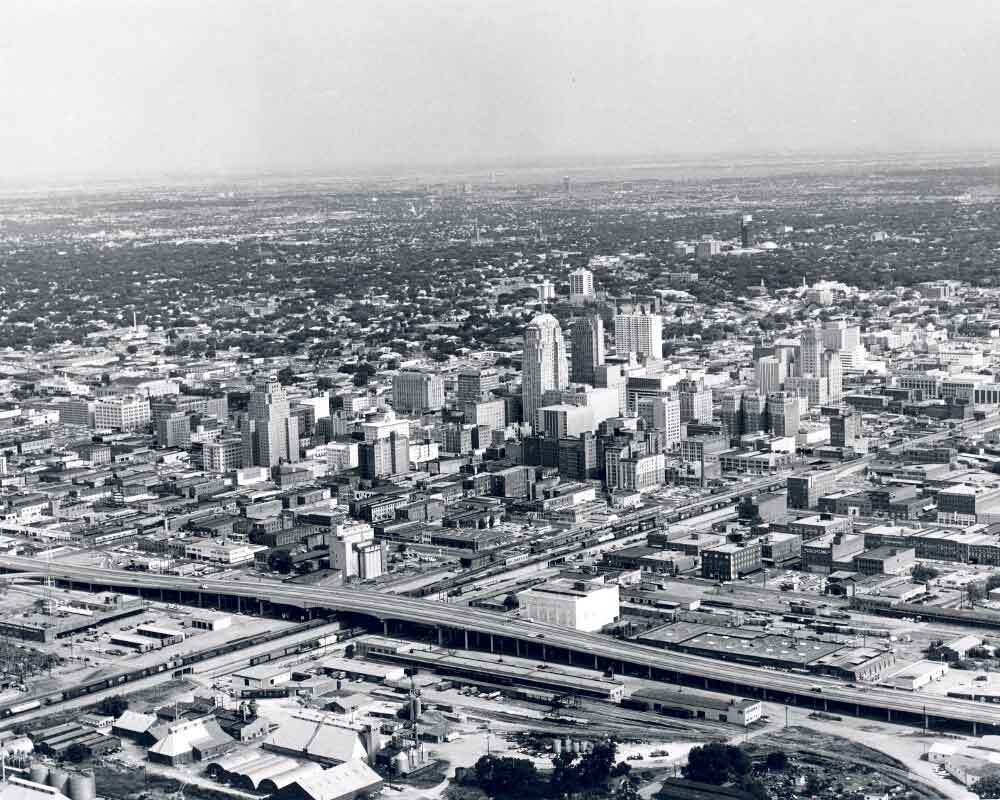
(130, 91)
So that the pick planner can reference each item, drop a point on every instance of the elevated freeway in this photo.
(456, 626)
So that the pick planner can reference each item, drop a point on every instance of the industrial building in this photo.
(581, 605)
(693, 704)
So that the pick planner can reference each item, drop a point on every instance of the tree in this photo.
(286, 376)
(987, 787)
(974, 592)
(923, 574)
(77, 752)
(777, 760)
(716, 764)
(113, 706)
(502, 777)
(324, 384)
(510, 602)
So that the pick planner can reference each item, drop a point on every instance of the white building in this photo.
(220, 551)
(544, 365)
(662, 414)
(581, 286)
(580, 605)
(354, 551)
(122, 412)
(639, 333)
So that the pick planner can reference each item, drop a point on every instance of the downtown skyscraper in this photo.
(270, 435)
(587, 338)
(544, 365)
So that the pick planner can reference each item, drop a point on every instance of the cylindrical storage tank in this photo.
(82, 787)
(399, 761)
(575, 746)
(567, 745)
(58, 779)
(38, 773)
(588, 746)
(557, 746)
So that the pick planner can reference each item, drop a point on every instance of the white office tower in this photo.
(544, 365)
(639, 333)
(662, 414)
(845, 339)
(810, 353)
(270, 435)
(833, 371)
(770, 374)
(581, 286)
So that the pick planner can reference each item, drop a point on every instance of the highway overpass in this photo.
(460, 626)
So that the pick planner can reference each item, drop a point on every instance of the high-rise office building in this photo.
(581, 286)
(731, 414)
(270, 434)
(639, 333)
(810, 353)
(174, 430)
(748, 236)
(834, 373)
(476, 385)
(845, 429)
(383, 457)
(696, 400)
(783, 413)
(122, 412)
(754, 408)
(543, 365)
(416, 392)
(587, 339)
(222, 455)
(662, 414)
(770, 374)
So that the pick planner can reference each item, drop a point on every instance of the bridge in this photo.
(458, 626)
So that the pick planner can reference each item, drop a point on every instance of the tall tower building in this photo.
(581, 286)
(544, 365)
(270, 435)
(754, 407)
(731, 414)
(748, 237)
(810, 353)
(587, 339)
(833, 371)
(639, 333)
(770, 374)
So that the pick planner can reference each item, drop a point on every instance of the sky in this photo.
(142, 87)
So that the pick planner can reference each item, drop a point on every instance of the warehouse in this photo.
(692, 704)
(366, 670)
(141, 644)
